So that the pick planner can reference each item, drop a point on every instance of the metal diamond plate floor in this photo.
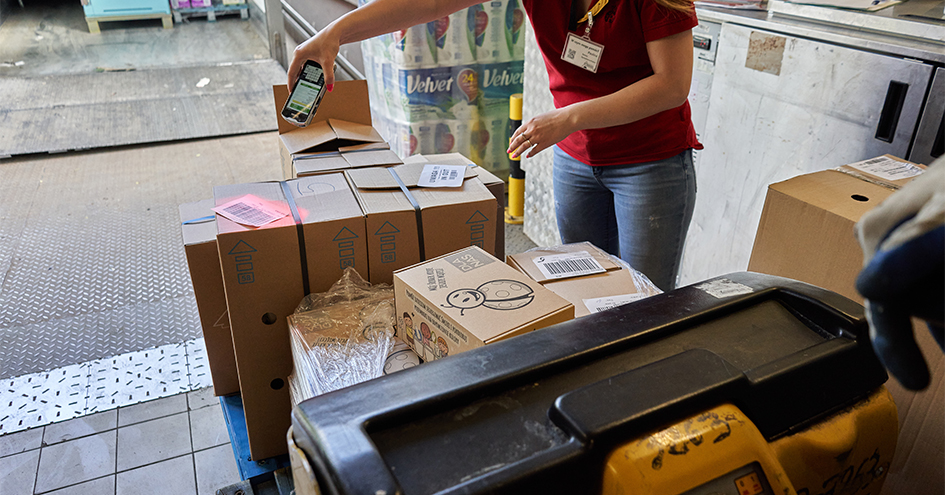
(91, 259)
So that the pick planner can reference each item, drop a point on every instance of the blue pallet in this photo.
(239, 440)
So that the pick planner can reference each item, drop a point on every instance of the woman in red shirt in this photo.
(622, 135)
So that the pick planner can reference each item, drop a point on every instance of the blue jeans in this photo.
(639, 212)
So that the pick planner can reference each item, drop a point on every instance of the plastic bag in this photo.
(341, 337)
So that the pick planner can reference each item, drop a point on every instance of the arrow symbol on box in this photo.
(387, 228)
(344, 234)
(241, 248)
(477, 218)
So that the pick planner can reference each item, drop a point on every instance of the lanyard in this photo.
(589, 16)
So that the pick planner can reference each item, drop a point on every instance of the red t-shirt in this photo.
(623, 27)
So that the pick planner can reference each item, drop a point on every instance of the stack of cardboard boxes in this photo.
(365, 212)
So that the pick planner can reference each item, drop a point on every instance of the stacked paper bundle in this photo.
(444, 86)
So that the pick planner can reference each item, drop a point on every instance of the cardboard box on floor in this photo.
(341, 135)
(467, 299)
(495, 185)
(566, 270)
(806, 233)
(199, 233)
(403, 230)
(266, 273)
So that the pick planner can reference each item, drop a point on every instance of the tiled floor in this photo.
(176, 445)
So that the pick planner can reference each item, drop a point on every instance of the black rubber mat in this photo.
(103, 109)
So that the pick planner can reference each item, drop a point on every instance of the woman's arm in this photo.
(374, 19)
(668, 87)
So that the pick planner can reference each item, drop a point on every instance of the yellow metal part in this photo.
(846, 453)
(515, 213)
(515, 106)
(691, 453)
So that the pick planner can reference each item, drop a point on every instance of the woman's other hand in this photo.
(541, 132)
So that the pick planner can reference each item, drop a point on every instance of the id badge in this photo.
(582, 52)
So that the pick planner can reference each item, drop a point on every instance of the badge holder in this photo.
(581, 51)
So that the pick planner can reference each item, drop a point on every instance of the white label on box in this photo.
(442, 176)
(249, 210)
(724, 288)
(887, 169)
(598, 304)
(568, 265)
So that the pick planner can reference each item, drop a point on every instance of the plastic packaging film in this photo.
(341, 337)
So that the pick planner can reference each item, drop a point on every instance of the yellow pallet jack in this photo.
(741, 385)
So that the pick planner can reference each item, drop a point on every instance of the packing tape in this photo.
(416, 209)
(300, 231)
(199, 220)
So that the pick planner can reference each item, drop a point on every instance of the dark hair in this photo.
(677, 5)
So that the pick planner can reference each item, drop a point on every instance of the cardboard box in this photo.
(334, 230)
(566, 274)
(494, 184)
(467, 299)
(199, 233)
(266, 273)
(403, 230)
(263, 282)
(341, 125)
(369, 155)
(806, 233)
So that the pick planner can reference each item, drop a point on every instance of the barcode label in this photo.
(886, 168)
(568, 265)
(442, 176)
(723, 288)
(249, 210)
(598, 304)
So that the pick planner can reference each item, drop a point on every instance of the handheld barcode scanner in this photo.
(307, 93)
(742, 385)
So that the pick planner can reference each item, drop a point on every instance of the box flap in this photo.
(365, 146)
(324, 198)
(525, 261)
(308, 138)
(381, 178)
(348, 100)
(371, 158)
(320, 163)
(471, 191)
(448, 159)
(416, 159)
(198, 222)
(352, 131)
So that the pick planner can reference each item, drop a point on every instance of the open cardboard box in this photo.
(566, 276)
(467, 299)
(403, 230)
(341, 127)
(806, 233)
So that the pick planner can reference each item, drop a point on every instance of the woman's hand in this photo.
(321, 48)
(541, 132)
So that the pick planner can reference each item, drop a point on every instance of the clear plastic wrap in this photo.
(341, 337)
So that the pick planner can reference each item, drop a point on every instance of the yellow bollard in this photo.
(515, 211)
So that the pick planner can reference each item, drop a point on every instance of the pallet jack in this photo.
(745, 384)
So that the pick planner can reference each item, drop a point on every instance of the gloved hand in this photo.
(903, 276)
